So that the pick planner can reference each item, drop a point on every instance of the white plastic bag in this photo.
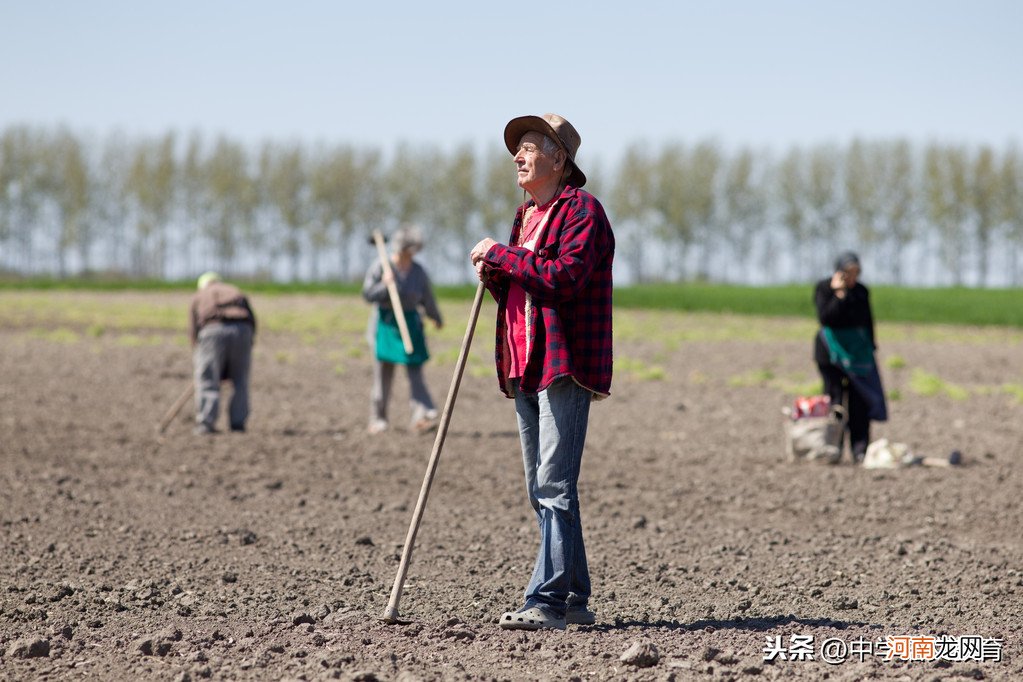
(884, 454)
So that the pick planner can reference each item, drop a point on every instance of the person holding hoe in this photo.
(400, 282)
(221, 327)
(552, 284)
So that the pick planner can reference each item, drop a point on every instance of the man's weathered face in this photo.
(535, 167)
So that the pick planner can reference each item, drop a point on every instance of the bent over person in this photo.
(552, 284)
(221, 326)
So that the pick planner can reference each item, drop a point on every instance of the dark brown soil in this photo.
(271, 554)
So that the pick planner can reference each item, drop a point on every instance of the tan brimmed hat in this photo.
(556, 128)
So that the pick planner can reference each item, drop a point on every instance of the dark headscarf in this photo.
(845, 259)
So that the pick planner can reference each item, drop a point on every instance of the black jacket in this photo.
(832, 311)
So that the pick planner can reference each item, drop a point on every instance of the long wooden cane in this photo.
(391, 612)
(175, 408)
(392, 290)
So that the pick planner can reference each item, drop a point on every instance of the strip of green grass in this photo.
(961, 306)
(457, 292)
(786, 300)
(957, 305)
(121, 284)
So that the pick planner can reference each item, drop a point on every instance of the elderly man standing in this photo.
(221, 326)
(552, 283)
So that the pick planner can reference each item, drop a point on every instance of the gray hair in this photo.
(549, 146)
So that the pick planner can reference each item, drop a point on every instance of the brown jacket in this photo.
(218, 301)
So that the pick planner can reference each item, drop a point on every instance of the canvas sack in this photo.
(813, 430)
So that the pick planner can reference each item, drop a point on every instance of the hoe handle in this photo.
(175, 408)
(392, 290)
(391, 612)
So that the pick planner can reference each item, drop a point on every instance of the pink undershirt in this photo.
(515, 310)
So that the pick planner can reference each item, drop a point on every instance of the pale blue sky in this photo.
(771, 73)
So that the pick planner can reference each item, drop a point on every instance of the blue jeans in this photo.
(552, 428)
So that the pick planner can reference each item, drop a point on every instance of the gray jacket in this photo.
(414, 290)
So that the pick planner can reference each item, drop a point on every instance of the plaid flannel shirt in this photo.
(567, 281)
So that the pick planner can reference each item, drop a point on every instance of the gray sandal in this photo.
(580, 615)
(532, 618)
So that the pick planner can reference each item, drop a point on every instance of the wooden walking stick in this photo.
(175, 408)
(391, 612)
(392, 289)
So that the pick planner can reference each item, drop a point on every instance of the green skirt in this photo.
(389, 347)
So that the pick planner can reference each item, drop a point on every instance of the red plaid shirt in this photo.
(568, 285)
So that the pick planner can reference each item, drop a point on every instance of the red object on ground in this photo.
(811, 406)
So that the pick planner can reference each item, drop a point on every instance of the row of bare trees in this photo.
(940, 209)
(171, 206)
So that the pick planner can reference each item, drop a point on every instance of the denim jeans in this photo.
(552, 428)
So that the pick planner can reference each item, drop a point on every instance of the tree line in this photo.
(172, 206)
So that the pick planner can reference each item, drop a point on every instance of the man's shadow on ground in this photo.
(752, 624)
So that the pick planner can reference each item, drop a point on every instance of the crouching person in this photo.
(221, 327)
